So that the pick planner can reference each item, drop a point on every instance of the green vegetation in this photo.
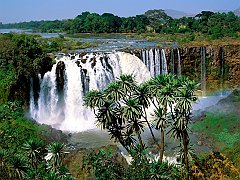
(206, 24)
(23, 143)
(7, 80)
(102, 165)
(21, 58)
(121, 109)
(223, 131)
(23, 148)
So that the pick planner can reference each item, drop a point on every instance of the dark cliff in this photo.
(219, 66)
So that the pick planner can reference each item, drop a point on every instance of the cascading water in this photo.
(164, 62)
(203, 71)
(172, 61)
(155, 61)
(151, 62)
(222, 69)
(179, 63)
(60, 102)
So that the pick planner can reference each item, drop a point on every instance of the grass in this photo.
(224, 131)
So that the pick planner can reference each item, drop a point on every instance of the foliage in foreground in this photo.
(22, 150)
(103, 166)
(121, 108)
(222, 129)
(214, 166)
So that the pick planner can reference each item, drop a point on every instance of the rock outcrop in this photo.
(60, 71)
(218, 65)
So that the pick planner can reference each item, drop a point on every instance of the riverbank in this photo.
(218, 127)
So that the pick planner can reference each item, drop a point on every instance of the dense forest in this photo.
(216, 25)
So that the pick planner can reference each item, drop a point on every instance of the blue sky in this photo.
(26, 10)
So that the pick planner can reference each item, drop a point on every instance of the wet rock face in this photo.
(60, 71)
(94, 62)
(222, 64)
(83, 61)
(36, 88)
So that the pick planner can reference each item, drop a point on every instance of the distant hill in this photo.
(177, 14)
(237, 11)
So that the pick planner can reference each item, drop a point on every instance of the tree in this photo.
(55, 155)
(122, 110)
(18, 167)
(157, 18)
(141, 22)
(143, 96)
(128, 25)
(33, 148)
(183, 107)
(132, 113)
(111, 23)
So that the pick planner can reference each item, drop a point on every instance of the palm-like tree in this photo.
(161, 123)
(143, 95)
(114, 92)
(108, 115)
(33, 149)
(132, 109)
(185, 98)
(132, 112)
(18, 167)
(163, 87)
(94, 99)
(56, 153)
(127, 83)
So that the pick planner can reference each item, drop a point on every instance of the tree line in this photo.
(216, 25)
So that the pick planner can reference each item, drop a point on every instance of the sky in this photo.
(27, 10)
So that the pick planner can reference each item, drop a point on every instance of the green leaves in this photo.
(160, 119)
(94, 99)
(56, 153)
(114, 92)
(121, 108)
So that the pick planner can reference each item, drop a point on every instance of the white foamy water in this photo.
(155, 61)
(65, 110)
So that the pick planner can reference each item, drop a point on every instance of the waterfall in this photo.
(60, 102)
(203, 70)
(131, 64)
(222, 69)
(152, 62)
(172, 61)
(32, 100)
(164, 62)
(155, 61)
(47, 110)
(179, 63)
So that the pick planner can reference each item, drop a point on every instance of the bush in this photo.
(103, 166)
